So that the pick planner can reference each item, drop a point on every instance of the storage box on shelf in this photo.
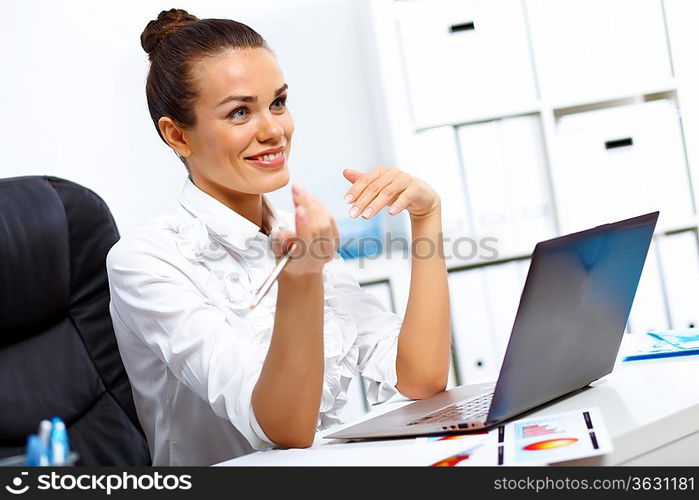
(619, 162)
(465, 59)
(592, 50)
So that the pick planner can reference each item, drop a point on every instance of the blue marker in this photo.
(45, 436)
(37, 453)
(59, 442)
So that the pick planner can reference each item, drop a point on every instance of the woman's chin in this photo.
(276, 180)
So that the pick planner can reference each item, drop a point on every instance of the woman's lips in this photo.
(277, 162)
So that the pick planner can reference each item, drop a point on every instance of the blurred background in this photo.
(532, 118)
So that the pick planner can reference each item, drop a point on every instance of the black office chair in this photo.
(58, 353)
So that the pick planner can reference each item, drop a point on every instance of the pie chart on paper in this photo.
(550, 444)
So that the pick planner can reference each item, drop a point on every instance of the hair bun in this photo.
(159, 29)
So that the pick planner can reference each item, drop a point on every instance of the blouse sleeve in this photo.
(208, 351)
(377, 333)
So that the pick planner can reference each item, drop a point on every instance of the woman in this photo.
(212, 378)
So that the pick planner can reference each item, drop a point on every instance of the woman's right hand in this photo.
(315, 240)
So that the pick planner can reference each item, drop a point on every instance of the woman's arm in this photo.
(424, 344)
(425, 337)
(286, 398)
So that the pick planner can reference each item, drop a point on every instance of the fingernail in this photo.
(349, 198)
(393, 210)
(354, 212)
(300, 190)
(367, 213)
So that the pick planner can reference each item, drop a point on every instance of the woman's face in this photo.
(241, 114)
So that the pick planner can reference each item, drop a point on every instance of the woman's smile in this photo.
(269, 158)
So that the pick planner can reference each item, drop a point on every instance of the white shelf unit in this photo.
(535, 118)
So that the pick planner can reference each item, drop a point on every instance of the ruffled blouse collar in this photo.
(226, 224)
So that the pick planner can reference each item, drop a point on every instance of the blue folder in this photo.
(666, 344)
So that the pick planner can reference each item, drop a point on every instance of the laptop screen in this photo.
(572, 314)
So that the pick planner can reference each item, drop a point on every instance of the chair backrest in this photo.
(58, 352)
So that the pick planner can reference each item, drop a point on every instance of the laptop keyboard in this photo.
(465, 410)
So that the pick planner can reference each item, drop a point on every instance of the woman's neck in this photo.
(250, 206)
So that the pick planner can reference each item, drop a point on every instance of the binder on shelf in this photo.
(472, 332)
(503, 285)
(465, 58)
(596, 50)
(508, 187)
(525, 157)
(437, 163)
(487, 183)
(619, 162)
(648, 311)
(680, 268)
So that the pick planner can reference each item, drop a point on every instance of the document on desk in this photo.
(530, 441)
(537, 441)
(394, 452)
(665, 344)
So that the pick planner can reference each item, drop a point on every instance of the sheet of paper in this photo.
(555, 438)
(529, 441)
(400, 452)
(537, 441)
(481, 451)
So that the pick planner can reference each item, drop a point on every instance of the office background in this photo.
(532, 118)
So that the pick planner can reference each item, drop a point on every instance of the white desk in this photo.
(651, 409)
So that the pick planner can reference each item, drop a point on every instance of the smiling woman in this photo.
(217, 96)
(213, 378)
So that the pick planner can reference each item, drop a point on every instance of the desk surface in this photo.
(647, 406)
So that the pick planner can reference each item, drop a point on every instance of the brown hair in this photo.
(174, 42)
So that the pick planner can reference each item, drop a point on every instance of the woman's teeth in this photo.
(268, 157)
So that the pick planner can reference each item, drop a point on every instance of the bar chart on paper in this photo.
(537, 430)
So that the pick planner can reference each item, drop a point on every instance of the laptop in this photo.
(567, 332)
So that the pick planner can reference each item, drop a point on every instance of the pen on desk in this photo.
(267, 284)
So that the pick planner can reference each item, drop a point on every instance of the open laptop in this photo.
(567, 333)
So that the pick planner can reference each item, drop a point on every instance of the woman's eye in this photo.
(238, 113)
(280, 102)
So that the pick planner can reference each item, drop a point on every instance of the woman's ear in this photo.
(174, 136)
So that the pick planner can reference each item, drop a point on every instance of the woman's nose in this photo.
(269, 128)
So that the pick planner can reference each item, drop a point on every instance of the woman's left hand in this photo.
(384, 186)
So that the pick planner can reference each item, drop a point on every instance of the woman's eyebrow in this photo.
(248, 98)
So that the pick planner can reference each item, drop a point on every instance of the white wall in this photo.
(72, 96)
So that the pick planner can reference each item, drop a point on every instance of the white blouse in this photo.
(180, 287)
